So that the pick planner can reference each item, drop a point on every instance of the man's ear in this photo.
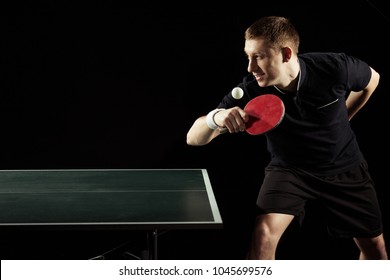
(287, 54)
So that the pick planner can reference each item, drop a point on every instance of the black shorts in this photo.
(349, 199)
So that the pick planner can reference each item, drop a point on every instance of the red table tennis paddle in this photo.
(265, 113)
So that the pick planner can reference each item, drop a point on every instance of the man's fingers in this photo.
(235, 120)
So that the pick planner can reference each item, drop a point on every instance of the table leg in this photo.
(151, 252)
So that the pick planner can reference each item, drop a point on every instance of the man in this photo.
(314, 152)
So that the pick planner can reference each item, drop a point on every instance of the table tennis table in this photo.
(112, 199)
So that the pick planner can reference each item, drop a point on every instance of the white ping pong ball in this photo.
(237, 93)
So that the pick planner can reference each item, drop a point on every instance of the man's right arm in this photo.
(200, 134)
(232, 120)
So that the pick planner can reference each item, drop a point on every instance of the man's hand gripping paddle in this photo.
(265, 113)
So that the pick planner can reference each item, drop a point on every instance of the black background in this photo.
(115, 86)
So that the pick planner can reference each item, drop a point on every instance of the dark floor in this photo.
(217, 244)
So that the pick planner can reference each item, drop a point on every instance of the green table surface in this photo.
(108, 198)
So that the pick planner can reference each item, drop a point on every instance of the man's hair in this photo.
(276, 30)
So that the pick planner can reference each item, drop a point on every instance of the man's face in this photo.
(264, 62)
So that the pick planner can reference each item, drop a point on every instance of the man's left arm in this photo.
(357, 99)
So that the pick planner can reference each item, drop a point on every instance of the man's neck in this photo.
(295, 76)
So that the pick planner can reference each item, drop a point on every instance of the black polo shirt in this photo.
(315, 133)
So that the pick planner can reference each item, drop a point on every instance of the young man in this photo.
(314, 152)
